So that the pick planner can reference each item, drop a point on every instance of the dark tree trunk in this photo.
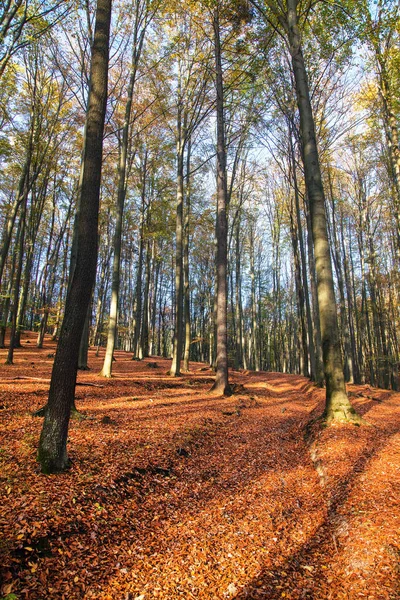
(52, 453)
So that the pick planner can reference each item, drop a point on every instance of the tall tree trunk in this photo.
(23, 191)
(52, 453)
(178, 329)
(186, 288)
(26, 279)
(17, 284)
(7, 299)
(254, 312)
(101, 294)
(337, 259)
(351, 307)
(62, 287)
(338, 407)
(221, 384)
(319, 368)
(137, 349)
(83, 355)
(121, 193)
(300, 292)
(238, 299)
(51, 255)
(303, 262)
(146, 304)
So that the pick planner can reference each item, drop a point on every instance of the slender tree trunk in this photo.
(178, 329)
(351, 307)
(254, 311)
(83, 356)
(186, 289)
(17, 284)
(137, 350)
(26, 279)
(62, 288)
(300, 292)
(100, 303)
(122, 163)
(23, 191)
(7, 300)
(221, 384)
(146, 305)
(51, 253)
(238, 303)
(303, 262)
(348, 357)
(52, 453)
(319, 369)
(156, 283)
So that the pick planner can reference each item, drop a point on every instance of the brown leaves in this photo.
(171, 498)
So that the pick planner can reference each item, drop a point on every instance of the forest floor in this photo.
(175, 493)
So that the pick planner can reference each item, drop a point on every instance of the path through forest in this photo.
(176, 493)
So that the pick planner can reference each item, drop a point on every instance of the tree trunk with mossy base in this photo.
(338, 407)
(52, 453)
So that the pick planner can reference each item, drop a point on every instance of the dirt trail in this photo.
(175, 493)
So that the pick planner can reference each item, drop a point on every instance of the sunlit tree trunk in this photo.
(303, 261)
(137, 349)
(337, 260)
(338, 407)
(186, 283)
(300, 292)
(146, 304)
(121, 193)
(254, 312)
(238, 299)
(178, 329)
(352, 307)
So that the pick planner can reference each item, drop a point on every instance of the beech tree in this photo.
(192, 105)
(143, 14)
(338, 406)
(52, 453)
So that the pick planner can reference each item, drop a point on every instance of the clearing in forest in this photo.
(175, 493)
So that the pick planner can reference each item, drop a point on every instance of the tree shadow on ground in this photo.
(304, 574)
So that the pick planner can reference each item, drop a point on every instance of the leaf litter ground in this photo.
(175, 493)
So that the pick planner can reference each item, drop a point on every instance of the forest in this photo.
(200, 248)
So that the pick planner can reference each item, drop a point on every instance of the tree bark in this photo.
(17, 285)
(178, 329)
(52, 453)
(221, 384)
(186, 283)
(338, 407)
(122, 163)
(137, 348)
